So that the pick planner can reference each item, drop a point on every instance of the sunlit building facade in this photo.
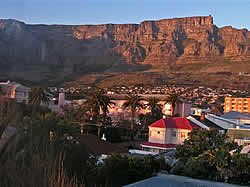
(237, 104)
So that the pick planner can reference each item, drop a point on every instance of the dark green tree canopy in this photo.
(201, 141)
(206, 155)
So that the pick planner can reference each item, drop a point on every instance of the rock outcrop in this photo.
(48, 51)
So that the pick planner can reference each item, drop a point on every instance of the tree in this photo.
(38, 96)
(154, 105)
(118, 170)
(50, 159)
(240, 167)
(1, 93)
(97, 103)
(211, 139)
(134, 104)
(155, 112)
(206, 155)
(173, 99)
(10, 111)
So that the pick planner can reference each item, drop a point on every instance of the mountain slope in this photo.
(64, 52)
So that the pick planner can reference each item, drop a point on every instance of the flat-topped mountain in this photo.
(49, 52)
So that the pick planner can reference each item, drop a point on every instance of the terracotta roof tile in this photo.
(177, 123)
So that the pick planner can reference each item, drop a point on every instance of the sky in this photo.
(225, 12)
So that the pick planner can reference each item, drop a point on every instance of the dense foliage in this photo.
(206, 155)
(47, 151)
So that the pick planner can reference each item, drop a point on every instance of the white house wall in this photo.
(165, 136)
(157, 135)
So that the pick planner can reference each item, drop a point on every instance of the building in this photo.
(238, 117)
(163, 180)
(239, 135)
(16, 91)
(182, 109)
(167, 133)
(196, 111)
(237, 104)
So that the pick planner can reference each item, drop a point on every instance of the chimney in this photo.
(61, 101)
(202, 118)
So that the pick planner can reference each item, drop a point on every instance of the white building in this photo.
(198, 111)
(168, 133)
(16, 91)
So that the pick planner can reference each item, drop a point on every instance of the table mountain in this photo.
(48, 52)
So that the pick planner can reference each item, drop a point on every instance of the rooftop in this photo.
(13, 85)
(207, 123)
(236, 115)
(177, 123)
(163, 180)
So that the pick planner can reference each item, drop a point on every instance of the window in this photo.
(158, 132)
(150, 133)
(183, 135)
(173, 133)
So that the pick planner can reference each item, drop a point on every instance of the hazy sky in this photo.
(225, 12)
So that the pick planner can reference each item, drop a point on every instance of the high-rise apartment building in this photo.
(237, 104)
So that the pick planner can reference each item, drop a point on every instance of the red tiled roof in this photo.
(177, 123)
(160, 124)
(159, 145)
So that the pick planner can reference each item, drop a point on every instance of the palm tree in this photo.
(106, 104)
(97, 103)
(133, 102)
(38, 96)
(153, 104)
(173, 99)
(155, 107)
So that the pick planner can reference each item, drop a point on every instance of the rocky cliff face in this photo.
(43, 50)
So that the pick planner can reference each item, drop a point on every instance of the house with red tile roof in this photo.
(168, 133)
